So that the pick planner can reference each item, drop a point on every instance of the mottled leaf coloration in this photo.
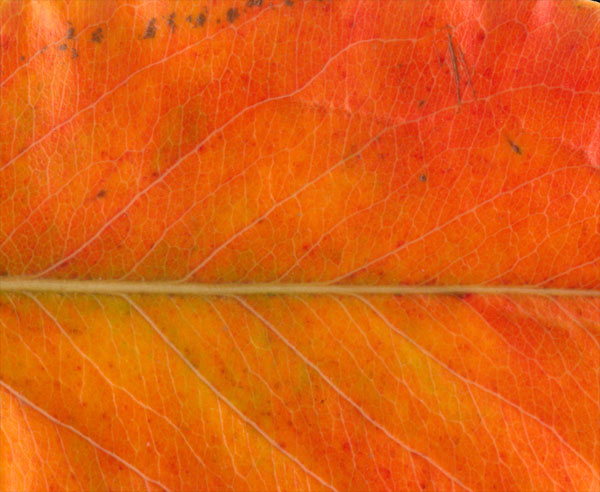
(299, 245)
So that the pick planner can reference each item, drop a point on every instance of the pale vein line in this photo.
(54, 420)
(204, 141)
(111, 287)
(477, 385)
(349, 400)
(115, 386)
(222, 397)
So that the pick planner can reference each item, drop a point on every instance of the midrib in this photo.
(20, 284)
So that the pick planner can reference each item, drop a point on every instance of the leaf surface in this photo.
(345, 245)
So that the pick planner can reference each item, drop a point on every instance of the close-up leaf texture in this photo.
(348, 245)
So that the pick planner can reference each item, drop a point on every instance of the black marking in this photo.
(101, 194)
(171, 21)
(515, 147)
(150, 29)
(62, 47)
(454, 67)
(422, 178)
(97, 36)
(232, 15)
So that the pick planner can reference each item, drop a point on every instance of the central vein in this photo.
(24, 284)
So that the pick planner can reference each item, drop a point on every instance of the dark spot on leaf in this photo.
(515, 147)
(97, 36)
(70, 31)
(171, 21)
(232, 15)
(254, 3)
(101, 194)
(289, 3)
(62, 47)
(150, 29)
(22, 58)
(199, 21)
(74, 53)
(422, 178)
(421, 102)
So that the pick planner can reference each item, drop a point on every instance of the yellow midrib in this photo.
(22, 284)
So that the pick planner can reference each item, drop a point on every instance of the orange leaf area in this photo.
(449, 147)
(266, 393)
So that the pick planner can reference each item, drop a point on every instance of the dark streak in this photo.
(421, 102)
(97, 36)
(254, 3)
(232, 15)
(101, 194)
(455, 67)
(74, 53)
(464, 62)
(515, 147)
(150, 29)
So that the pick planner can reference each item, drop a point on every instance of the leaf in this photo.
(300, 245)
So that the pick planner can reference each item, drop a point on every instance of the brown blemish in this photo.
(422, 178)
(232, 15)
(62, 47)
(171, 21)
(74, 53)
(101, 194)
(97, 36)
(421, 103)
(150, 31)
(515, 147)
(22, 58)
(254, 3)
(289, 3)
(70, 31)
(199, 21)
